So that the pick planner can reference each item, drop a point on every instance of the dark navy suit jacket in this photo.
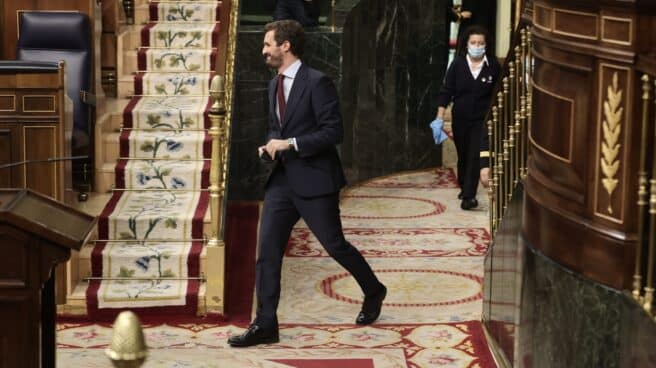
(313, 117)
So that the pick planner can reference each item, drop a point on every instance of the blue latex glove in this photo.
(438, 133)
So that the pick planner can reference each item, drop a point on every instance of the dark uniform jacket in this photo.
(471, 97)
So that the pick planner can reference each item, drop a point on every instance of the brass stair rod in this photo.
(651, 257)
(201, 278)
(642, 189)
(204, 240)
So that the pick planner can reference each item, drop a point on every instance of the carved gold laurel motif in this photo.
(610, 148)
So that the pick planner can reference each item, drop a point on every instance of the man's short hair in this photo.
(288, 30)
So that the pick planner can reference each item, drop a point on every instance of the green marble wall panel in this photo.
(394, 58)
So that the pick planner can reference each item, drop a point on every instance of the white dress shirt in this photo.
(288, 82)
(474, 70)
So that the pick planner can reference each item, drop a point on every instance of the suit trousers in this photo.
(282, 209)
(467, 137)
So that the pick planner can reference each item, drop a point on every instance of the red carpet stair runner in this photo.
(150, 232)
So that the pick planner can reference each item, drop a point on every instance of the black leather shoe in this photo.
(254, 335)
(468, 203)
(460, 195)
(371, 308)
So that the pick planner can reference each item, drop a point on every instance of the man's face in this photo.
(272, 52)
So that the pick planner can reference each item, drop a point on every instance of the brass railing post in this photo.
(524, 137)
(525, 81)
(511, 160)
(216, 131)
(649, 289)
(529, 82)
(215, 246)
(642, 189)
(495, 167)
(517, 109)
(490, 179)
(333, 4)
(511, 126)
(128, 8)
(502, 157)
(651, 256)
(506, 144)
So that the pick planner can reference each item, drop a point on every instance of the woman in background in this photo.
(469, 83)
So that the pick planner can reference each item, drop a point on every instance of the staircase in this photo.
(153, 156)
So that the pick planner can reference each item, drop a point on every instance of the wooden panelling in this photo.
(10, 177)
(576, 24)
(16, 273)
(7, 103)
(543, 17)
(597, 253)
(44, 80)
(582, 192)
(563, 58)
(222, 50)
(41, 177)
(5, 157)
(617, 30)
(18, 348)
(108, 50)
(9, 81)
(558, 130)
(553, 133)
(39, 103)
(35, 131)
(110, 13)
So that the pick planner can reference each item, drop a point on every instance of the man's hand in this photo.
(264, 156)
(466, 14)
(274, 145)
(485, 177)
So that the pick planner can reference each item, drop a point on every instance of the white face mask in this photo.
(476, 51)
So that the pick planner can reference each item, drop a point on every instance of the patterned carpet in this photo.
(149, 255)
(426, 250)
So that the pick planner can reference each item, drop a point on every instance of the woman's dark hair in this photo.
(288, 30)
(473, 30)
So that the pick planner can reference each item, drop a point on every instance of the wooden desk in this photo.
(34, 127)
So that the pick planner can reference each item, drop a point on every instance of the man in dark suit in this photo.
(305, 12)
(305, 124)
